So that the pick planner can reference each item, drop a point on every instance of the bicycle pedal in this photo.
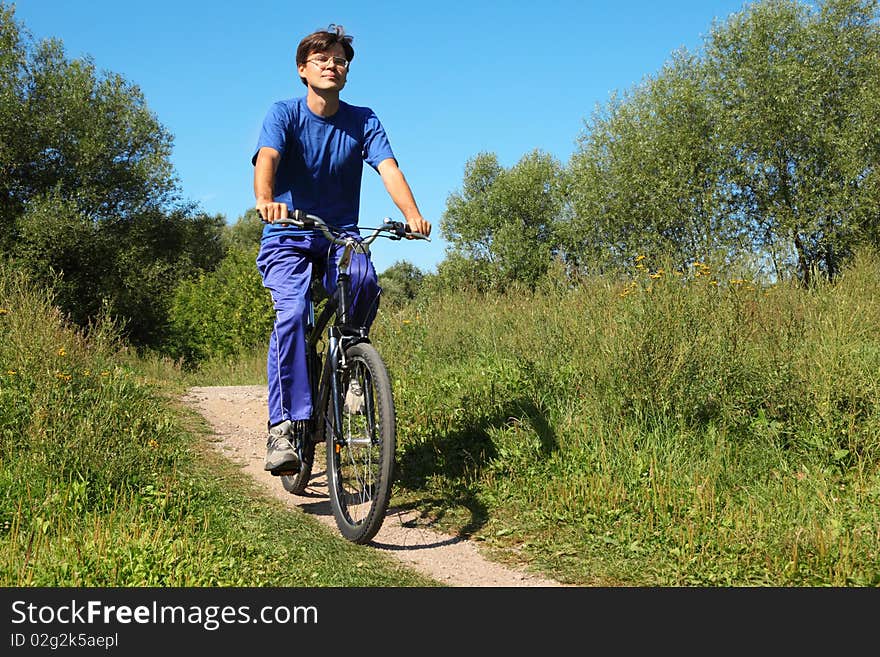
(284, 473)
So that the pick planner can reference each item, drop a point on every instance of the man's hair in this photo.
(322, 41)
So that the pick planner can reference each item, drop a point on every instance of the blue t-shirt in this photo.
(321, 159)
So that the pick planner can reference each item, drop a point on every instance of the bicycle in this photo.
(352, 403)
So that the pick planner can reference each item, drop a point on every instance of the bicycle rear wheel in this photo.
(296, 484)
(361, 445)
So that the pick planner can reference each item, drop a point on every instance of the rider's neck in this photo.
(323, 102)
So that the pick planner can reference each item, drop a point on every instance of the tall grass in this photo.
(104, 480)
(679, 428)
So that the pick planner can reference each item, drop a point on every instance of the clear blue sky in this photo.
(448, 79)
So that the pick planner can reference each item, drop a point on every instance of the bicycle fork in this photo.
(335, 356)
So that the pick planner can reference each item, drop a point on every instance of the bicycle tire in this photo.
(296, 484)
(360, 452)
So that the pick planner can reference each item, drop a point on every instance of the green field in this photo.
(677, 429)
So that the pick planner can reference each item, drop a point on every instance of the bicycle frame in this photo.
(340, 334)
(359, 434)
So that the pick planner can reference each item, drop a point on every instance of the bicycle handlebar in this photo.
(397, 229)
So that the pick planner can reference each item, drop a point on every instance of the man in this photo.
(310, 156)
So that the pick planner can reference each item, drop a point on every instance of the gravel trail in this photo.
(238, 417)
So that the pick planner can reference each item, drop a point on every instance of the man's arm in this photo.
(264, 185)
(399, 191)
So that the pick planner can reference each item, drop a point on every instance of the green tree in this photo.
(245, 232)
(765, 144)
(505, 219)
(89, 202)
(643, 180)
(400, 282)
(126, 269)
(795, 93)
(88, 136)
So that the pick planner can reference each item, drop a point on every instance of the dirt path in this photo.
(238, 417)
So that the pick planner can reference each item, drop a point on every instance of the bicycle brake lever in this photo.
(302, 219)
(398, 228)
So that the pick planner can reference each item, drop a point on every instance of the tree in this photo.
(90, 137)
(126, 269)
(89, 202)
(795, 91)
(506, 218)
(765, 144)
(400, 282)
(644, 179)
(245, 232)
(221, 313)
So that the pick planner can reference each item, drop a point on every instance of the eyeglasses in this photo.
(323, 60)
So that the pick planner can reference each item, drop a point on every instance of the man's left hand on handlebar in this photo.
(418, 224)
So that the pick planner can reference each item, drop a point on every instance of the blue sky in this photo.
(447, 79)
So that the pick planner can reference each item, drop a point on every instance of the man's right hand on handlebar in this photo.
(270, 211)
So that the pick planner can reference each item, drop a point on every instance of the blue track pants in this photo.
(286, 264)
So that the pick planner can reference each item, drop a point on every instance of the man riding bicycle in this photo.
(310, 156)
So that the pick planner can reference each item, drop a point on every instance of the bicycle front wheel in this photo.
(361, 440)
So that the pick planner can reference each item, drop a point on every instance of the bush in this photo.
(222, 313)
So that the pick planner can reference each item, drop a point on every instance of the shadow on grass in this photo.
(460, 456)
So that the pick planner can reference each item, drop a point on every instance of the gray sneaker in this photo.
(281, 455)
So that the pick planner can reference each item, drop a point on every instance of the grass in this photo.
(673, 429)
(103, 481)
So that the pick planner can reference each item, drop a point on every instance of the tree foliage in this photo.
(766, 145)
(221, 313)
(245, 232)
(504, 220)
(795, 92)
(400, 283)
(643, 180)
(89, 202)
(87, 135)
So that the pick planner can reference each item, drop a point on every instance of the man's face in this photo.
(324, 70)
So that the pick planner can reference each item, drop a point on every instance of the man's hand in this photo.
(271, 211)
(419, 224)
